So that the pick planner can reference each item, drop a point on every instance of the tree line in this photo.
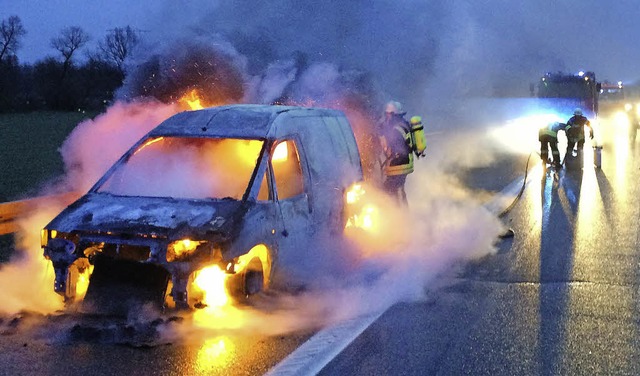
(60, 82)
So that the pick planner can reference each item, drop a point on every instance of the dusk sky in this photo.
(410, 42)
(43, 20)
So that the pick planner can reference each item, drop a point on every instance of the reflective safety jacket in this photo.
(551, 130)
(397, 145)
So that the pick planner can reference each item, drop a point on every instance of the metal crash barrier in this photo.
(12, 210)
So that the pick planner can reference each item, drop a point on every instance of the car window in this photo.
(263, 194)
(186, 167)
(287, 173)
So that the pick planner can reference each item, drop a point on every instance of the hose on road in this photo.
(510, 233)
(524, 183)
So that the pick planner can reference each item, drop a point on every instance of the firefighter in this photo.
(548, 137)
(575, 131)
(396, 142)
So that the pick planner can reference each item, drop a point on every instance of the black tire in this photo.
(253, 277)
(247, 283)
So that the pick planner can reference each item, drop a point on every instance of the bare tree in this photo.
(118, 44)
(11, 30)
(69, 41)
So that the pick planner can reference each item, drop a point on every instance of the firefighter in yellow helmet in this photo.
(398, 144)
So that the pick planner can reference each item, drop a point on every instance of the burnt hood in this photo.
(162, 216)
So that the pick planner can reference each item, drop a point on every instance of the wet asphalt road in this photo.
(33, 345)
(561, 297)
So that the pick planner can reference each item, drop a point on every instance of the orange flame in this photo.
(83, 282)
(361, 213)
(191, 100)
(211, 280)
(372, 219)
(280, 153)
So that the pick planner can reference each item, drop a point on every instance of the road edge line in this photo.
(313, 355)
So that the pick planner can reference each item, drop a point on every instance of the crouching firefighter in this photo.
(399, 140)
(575, 133)
(548, 137)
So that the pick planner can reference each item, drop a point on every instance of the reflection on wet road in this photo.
(561, 297)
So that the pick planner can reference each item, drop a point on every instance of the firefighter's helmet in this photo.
(393, 107)
(578, 112)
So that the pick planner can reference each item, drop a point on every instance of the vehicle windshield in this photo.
(182, 167)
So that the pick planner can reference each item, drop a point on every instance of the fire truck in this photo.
(563, 92)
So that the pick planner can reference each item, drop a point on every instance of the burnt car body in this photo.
(244, 187)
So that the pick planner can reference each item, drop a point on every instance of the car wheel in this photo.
(248, 282)
(253, 277)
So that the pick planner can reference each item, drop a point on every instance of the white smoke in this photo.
(411, 61)
(270, 87)
(444, 225)
(94, 145)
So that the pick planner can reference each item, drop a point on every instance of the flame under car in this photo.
(243, 188)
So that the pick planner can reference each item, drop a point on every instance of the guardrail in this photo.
(12, 210)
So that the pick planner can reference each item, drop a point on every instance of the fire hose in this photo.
(520, 192)
(510, 233)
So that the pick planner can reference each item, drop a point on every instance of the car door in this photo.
(291, 187)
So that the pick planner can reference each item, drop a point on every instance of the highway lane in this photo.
(561, 297)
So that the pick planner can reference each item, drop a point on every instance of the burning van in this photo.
(240, 188)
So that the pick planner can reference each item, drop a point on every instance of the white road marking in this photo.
(323, 347)
(313, 355)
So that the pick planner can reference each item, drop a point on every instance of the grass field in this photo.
(29, 156)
